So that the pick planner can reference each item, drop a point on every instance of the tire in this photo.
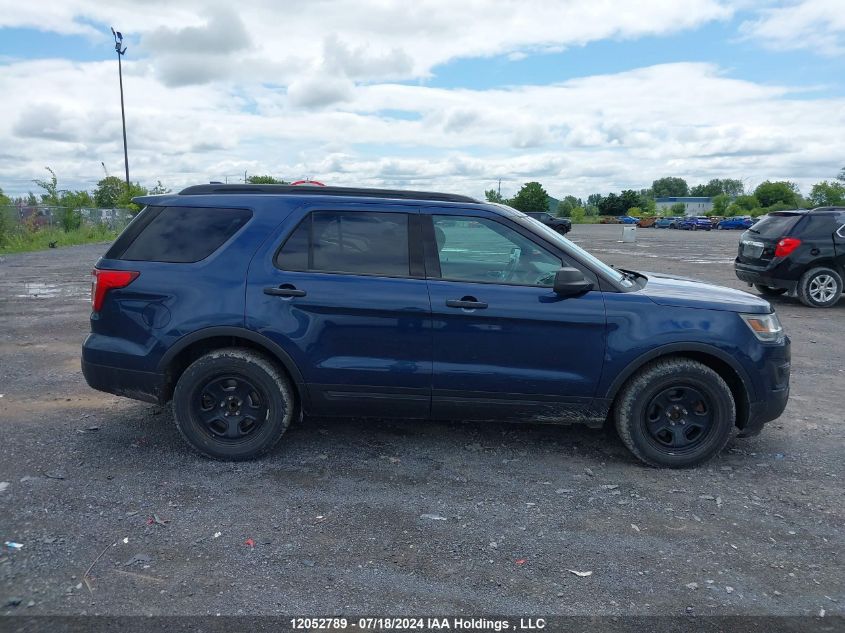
(679, 441)
(255, 396)
(820, 287)
(768, 291)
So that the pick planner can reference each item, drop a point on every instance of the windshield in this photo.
(570, 247)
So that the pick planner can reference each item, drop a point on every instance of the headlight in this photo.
(766, 327)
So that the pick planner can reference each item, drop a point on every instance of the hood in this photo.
(682, 292)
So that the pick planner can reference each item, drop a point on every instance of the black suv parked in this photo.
(799, 252)
(561, 225)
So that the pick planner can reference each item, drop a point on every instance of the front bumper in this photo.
(772, 401)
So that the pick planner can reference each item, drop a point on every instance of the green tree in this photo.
(746, 203)
(159, 189)
(629, 198)
(577, 215)
(769, 193)
(612, 204)
(670, 187)
(679, 208)
(108, 192)
(591, 210)
(827, 194)
(635, 212)
(594, 199)
(124, 201)
(6, 210)
(531, 198)
(721, 203)
(265, 180)
(728, 186)
(494, 196)
(564, 209)
(841, 175)
(50, 197)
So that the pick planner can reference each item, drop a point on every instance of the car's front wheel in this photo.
(675, 413)
(233, 404)
(820, 287)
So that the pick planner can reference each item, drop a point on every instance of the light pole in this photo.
(118, 43)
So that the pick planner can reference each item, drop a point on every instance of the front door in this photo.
(342, 290)
(505, 345)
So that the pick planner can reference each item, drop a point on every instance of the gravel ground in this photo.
(385, 517)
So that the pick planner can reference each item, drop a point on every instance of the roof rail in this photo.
(299, 190)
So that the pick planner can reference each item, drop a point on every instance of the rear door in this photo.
(342, 289)
(505, 345)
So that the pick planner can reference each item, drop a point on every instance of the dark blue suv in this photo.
(251, 305)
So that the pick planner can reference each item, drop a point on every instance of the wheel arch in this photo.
(191, 346)
(719, 361)
(834, 263)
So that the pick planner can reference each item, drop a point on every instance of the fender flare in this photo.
(259, 339)
(680, 348)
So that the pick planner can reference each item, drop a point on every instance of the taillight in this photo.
(786, 246)
(104, 280)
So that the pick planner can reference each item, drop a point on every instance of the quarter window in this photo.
(478, 249)
(349, 242)
(178, 234)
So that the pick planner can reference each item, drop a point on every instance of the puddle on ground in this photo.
(42, 290)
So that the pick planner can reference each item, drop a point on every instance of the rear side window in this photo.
(349, 242)
(818, 227)
(179, 234)
(775, 225)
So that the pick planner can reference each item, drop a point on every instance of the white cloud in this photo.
(817, 25)
(360, 39)
(577, 136)
(308, 92)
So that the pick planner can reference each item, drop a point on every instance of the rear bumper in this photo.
(775, 377)
(763, 276)
(140, 385)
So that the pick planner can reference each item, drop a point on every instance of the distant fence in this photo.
(43, 216)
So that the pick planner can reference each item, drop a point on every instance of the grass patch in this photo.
(23, 241)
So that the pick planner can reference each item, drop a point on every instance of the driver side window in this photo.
(482, 250)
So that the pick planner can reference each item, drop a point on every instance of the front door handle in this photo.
(285, 290)
(466, 303)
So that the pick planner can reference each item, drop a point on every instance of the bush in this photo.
(577, 215)
(6, 224)
(70, 219)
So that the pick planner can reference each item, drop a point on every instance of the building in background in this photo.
(693, 205)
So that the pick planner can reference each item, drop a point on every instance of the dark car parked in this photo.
(695, 223)
(797, 252)
(561, 225)
(250, 305)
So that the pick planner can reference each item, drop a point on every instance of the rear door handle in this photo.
(466, 303)
(285, 290)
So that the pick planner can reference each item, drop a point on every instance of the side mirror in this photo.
(570, 282)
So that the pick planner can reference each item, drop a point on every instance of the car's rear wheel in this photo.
(820, 287)
(233, 404)
(769, 291)
(675, 413)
